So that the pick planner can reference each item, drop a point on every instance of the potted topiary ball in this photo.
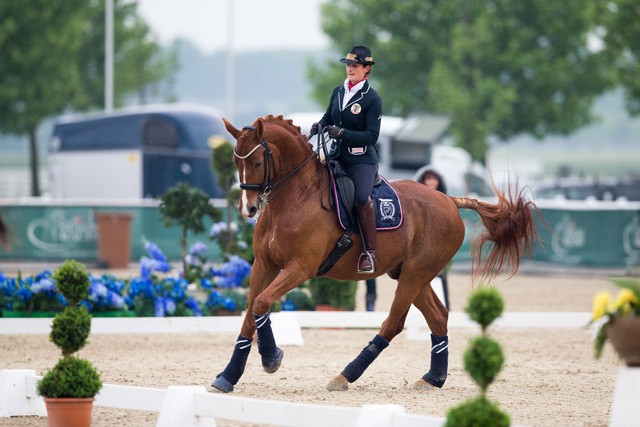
(70, 387)
(483, 360)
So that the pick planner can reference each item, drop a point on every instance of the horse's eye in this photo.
(258, 164)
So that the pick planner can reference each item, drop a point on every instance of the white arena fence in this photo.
(194, 406)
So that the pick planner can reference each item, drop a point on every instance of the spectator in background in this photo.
(4, 233)
(431, 178)
(371, 295)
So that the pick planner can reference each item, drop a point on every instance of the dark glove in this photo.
(334, 132)
(315, 129)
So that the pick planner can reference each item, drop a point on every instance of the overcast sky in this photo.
(259, 24)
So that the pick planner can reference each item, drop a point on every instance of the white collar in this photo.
(349, 94)
(354, 89)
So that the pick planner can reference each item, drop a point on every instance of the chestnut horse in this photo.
(283, 178)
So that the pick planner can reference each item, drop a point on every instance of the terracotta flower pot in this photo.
(69, 412)
(624, 335)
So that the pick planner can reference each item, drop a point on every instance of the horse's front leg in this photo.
(289, 278)
(261, 297)
(261, 276)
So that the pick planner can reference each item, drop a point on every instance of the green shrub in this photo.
(71, 377)
(72, 281)
(337, 293)
(300, 299)
(483, 359)
(70, 329)
(478, 412)
(485, 305)
(276, 306)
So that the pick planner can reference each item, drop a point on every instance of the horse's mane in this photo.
(286, 124)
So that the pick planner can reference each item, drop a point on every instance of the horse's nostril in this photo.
(252, 211)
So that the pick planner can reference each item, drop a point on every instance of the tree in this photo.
(53, 56)
(496, 67)
(187, 206)
(139, 62)
(38, 72)
(233, 239)
(621, 34)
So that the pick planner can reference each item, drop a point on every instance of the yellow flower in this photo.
(625, 298)
(215, 141)
(600, 304)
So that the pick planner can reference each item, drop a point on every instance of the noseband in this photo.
(267, 191)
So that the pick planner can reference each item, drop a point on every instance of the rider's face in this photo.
(356, 72)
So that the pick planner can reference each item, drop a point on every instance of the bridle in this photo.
(267, 190)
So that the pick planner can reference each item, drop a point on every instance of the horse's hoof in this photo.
(221, 385)
(339, 383)
(272, 365)
(424, 385)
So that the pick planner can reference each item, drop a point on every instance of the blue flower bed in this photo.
(158, 290)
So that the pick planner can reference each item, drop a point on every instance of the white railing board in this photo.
(169, 325)
(273, 412)
(131, 397)
(287, 325)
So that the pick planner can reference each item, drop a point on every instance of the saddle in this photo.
(387, 208)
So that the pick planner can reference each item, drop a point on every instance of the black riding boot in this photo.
(367, 222)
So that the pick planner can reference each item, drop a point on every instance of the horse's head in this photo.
(264, 168)
(252, 158)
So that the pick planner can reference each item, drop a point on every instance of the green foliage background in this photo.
(498, 68)
(53, 61)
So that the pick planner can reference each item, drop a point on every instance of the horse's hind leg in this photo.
(392, 326)
(436, 315)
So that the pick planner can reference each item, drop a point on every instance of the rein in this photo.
(322, 144)
(267, 190)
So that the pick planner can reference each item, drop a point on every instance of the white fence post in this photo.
(178, 408)
(626, 396)
(286, 328)
(15, 397)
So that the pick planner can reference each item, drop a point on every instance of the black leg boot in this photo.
(367, 223)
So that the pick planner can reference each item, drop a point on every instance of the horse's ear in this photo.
(259, 128)
(231, 129)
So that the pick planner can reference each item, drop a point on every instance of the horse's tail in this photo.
(509, 229)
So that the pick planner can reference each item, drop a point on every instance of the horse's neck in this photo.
(311, 183)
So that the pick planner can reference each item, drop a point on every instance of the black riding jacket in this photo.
(361, 123)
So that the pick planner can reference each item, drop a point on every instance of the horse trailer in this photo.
(134, 153)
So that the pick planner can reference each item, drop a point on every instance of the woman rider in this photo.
(353, 119)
